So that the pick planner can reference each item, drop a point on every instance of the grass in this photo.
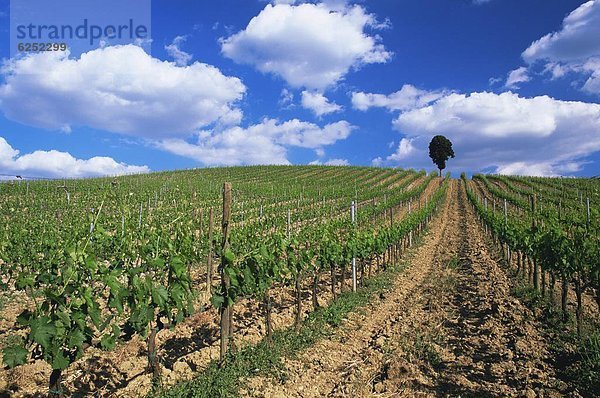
(577, 356)
(422, 347)
(265, 358)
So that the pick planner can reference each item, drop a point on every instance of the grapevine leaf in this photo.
(160, 296)
(217, 300)
(108, 342)
(42, 331)
(76, 338)
(24, 318)
(24, 281)
(229, 257)
(60, 361)
(178, 267)
(14, 355)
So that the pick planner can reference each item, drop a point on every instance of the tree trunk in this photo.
(333, 281)
(232, 346)
(315, 285)
(298, 318)
(579, 310)
(543, 282)
(598, 296)
(153, 364)
(552, 285)
(563, 298)
(268, 327)
(55, 389)
(536, 276)
(362, 272)
(209, 259)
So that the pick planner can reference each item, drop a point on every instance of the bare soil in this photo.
(449, 327)
(184, 350)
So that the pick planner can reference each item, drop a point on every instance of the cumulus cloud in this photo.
(174, 50)
(574, 48)
(519, 75)
(404, 151)
(308, 45)
(330, 162)
(408, 97)
(120, 89)
(60, 164)
(502, 133)
(286, 99)
(263, 143)
(538, 168)
(318, 103)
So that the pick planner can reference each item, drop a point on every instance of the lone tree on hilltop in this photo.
(440, 149)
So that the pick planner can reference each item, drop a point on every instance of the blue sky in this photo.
(515, 84)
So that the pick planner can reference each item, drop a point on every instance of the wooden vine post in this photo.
(535, 262)
(209, 260)
(225, 282)
(352, 215)
(508, 254)
(393, 247)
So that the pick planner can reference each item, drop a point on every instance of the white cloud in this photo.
(330, 162)
(337, 162)
(286, 99)
(538, 169)
(557, 70)
(574, 48)
(495, 80)
(174, 50)
(502, 132)
(308, 45)
(318, 103)
(405, 150)
(120, 89)
(263, 143)
(60, 164)
(519, 75)
(408, 97)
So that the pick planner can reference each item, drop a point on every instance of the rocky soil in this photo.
(449, 327)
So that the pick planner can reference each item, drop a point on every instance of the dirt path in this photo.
(449, 327)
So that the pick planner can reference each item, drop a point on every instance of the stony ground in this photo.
(449, 327)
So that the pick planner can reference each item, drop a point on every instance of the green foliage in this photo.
(440, 150)
(265, 358)
(14, 355)
(115, 258)
(589, 369)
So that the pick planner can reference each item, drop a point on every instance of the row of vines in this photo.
(549, 227)
(103, 260)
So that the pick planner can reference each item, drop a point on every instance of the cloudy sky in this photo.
(514, 84)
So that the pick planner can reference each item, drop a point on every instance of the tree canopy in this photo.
(440, 149)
